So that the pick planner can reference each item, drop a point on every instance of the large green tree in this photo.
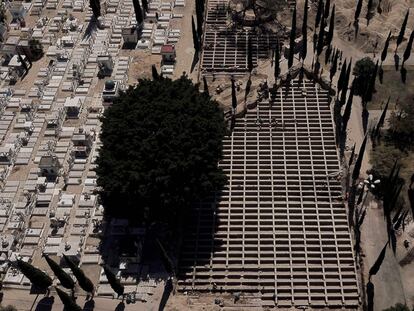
(161, 142)
(363, 71)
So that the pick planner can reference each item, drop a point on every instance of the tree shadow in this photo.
(45, 304)
(403, 72)
(34, 290)
(120, 306)
(89, 305)
(396, 61)
(129, 46)
(196, 58)
(365, 116)
(200, 242)
(381, 74)
(166, 294)
(91, 27)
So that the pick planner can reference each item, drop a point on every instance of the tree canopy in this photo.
(402, 124)
(363, 71)
(161, 143)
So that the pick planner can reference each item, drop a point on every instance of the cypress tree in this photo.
(292, 39)
(305, 31)
(95, 5)
(83, 281)
(195, 36)
(277, 61)
(331, 26)
(36, 276)
(351, 157)
(407, 51)
(348, 73)
(347, 111)
(248, 87)
(377, 264)
(328, 52)
(327, 7)
(358, 163)
(22, 62)
(318, 14)
(334, 65)
(145, 5)
(381, 119)
(370, 296)
(369, 8)
(154, 72)
(64, 278)
(200, 19)
(205, 86)
(402, 30)
(385, 49)
(337, 120)
(314, 41)
(114, 282)
(233, 94)
(342, 77)
(358, 11)
(138, 12)
(249, 54)
(320, 44)
(371, 85)
(67, 301)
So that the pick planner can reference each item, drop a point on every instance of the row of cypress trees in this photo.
(43, 281)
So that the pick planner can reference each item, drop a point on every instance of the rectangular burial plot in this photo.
(278, 230)
(227, 50)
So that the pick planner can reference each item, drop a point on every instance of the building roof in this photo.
(167, 48)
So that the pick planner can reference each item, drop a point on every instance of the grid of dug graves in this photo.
(279, 229)
(227, 50)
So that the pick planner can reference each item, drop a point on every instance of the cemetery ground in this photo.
(393, 283)
(140, 61)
